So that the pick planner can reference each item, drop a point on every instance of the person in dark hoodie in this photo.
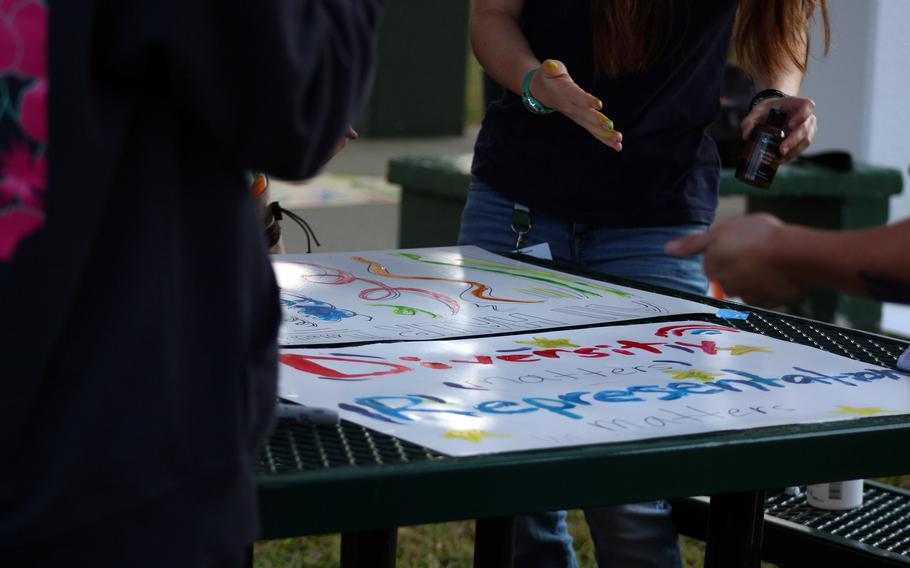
(139, 310)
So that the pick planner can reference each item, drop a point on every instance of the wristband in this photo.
(529, 101)
(766, 94)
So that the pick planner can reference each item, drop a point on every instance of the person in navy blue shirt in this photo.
(598, 149)
(139, 309)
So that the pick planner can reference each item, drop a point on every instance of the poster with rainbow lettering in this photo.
(438, 293)
(587, 386)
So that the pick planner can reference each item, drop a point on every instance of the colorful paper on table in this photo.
(416, 294)
(586, 386)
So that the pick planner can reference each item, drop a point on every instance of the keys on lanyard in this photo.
(521, 224)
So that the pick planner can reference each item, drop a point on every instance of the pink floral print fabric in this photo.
(23, 121)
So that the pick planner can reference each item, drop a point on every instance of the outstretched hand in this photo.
(554, 87)
(743, 256)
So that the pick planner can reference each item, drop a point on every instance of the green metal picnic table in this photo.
(363, 484)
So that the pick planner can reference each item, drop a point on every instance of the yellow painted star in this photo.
(693, 374)
(549, 343)
(862, 410)
(474, 436)
(743, 349)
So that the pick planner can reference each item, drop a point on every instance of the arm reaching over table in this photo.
(768, 263)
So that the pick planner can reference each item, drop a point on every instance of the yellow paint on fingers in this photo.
(605, 120)
(551, 67)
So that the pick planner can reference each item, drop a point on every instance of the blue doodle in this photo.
(299, 306)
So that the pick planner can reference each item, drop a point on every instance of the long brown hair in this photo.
(629, 34)
(769, 35)
(773, 35)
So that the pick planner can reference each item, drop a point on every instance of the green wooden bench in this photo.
(434, 191)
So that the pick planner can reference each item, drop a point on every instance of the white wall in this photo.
(838, 83)
(889, 116)
(889, 113)
(863, 94)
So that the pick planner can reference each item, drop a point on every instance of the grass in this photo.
(447, 545)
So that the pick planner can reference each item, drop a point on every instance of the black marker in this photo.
(301, 414)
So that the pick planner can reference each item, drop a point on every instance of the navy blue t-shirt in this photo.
(668, 170)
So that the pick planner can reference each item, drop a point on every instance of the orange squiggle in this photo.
(478, 290)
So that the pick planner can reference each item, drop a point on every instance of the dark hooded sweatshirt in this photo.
(138, 310)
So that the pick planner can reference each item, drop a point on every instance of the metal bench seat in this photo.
(797, 535)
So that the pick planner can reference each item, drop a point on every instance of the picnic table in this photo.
(363, 484)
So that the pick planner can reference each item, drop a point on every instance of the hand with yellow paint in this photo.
(555, 88)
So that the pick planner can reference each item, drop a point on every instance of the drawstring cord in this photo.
(279, 212)
(259, 185)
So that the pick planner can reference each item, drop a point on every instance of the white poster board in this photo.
(420, 294)
(587, 386)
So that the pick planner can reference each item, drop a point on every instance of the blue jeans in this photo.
(635, 536)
